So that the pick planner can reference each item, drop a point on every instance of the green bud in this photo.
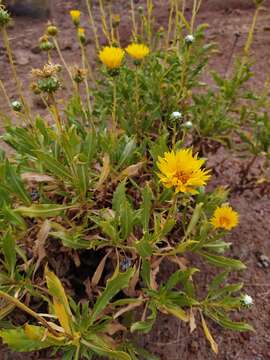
(4, 16)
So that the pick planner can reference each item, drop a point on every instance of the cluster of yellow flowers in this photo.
(112, 56)
(182, 171)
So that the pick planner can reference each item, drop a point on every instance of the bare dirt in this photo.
(170, 339)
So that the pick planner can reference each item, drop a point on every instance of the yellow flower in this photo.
(137, 51)
(183, 171)
(75, 16)
(111, 56)
(224, 217)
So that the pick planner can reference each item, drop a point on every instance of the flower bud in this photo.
(75, 17)
(4, 16)
(17, 106)
(81, 35)
(176, 115)
(246, 301)
(116, 20)
(188, 125)
(52, 30)
(189, 39)
(140, 9)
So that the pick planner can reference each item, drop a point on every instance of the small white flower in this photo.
(176, 115)
(189, 39)
(16, 105)
(247, 300)
(188, 125)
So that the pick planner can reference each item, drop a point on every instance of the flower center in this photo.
(182, 176)
(224, 221)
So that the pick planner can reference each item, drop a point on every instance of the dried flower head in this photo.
(182, 171)
(112, 56)
(137, 51)
(116, 20)
(45, 44)
(47, 71)
(224, 218)
(78, 74)
(75, 16)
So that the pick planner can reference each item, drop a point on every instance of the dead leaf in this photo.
(192, 322)
(98, 273)
(113, 328)
(39, 248)
(128, 308)
(209, 337)
(131, 170)
(35, 177)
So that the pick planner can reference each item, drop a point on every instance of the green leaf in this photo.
(195, 218)
(114, 285)
(18, 340)
(15, 182)
(146, 272)
(223, 262)
(146, 325)
(60, 301)
(180, 276)
(227, 323)
(147, 196)
(103, 350)
(126, 219)
(42, 210)
(54, 166)
(13, 218)
(144, 246)
(9, 251)
(119, 196)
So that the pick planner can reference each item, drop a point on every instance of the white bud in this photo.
(176, 115)
(247, 300)
(189, 39)
(188, 125)
(16, 105)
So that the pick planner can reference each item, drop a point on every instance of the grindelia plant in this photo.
(95, 201)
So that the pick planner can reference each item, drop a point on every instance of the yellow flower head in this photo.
(75, 16)
(224, 217)
(112, 57)
(183, 171)
(137, 51)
